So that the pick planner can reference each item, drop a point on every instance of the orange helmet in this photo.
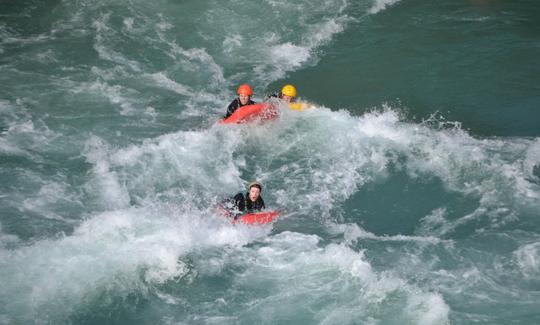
(244, 89)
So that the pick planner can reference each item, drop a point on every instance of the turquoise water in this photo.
(409, 193)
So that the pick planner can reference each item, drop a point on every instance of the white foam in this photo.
(352, 233)
(425, 309)
(289, 56)
(435, 223)
(296, 267)
(39, 135)
(7, 239)
(331, 154)
(8, 148)
(205, 62)
(483, 168)
(128, 23)
(528, 260)
(6, 107)
(116, 94)
(47, 57)
(104, 35)
(323, 32)
(232, 42)
(162, 80)
(34, 39)
(326, 164)
(47, 199)
(475, 19)
(381, 5)
(184, 161)
(263, 51)
(106, 184)
(24, 134)
(110, 251)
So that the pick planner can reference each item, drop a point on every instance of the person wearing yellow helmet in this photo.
(288, 93)
(246, 203)
(244, 93)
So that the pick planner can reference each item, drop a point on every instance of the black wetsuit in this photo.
(240, 204)
(236, 104)
(244, 203)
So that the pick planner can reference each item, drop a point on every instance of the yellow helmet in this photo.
(288, 90)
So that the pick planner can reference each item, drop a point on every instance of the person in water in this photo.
(287, 94)
(241, 203)
(244, 98)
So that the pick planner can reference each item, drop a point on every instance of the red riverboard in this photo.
(263, 111)
(258, 217)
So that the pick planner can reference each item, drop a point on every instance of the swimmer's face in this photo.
(286, 98)
(254, 193)
(244, 99)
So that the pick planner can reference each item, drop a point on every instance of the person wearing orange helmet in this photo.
(244, 93)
